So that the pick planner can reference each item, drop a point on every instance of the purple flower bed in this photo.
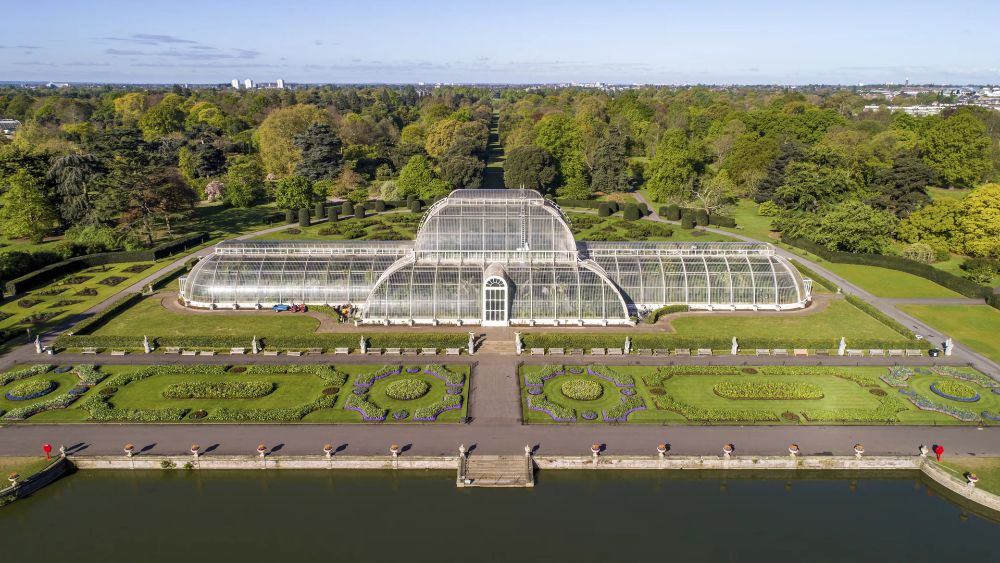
(535, 391)
(63, 369)
(435, 415)
(548, 412)
(376, 378)
(926, 404)
(363, 416)
(412, 370)
(445, 379)
(628, 391)
(52, 386)
(996, 391)
(941, 393)
(609, 378)
(78, 390)
(992, 417)
(576, 371)
(454, 390)
(544, 379)
(589, 415)
(624, 416)
(360, 391)
(400, 415)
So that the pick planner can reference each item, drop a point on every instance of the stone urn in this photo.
(13, 477)
(261, 450)
(859, 450)
(394, 450)
(328, 450)
(972, 478)
(595, 449)
(793, 450)
(661, 449)
(924, 450)
(129, 449)
(727, 450)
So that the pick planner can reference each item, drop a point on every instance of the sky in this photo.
(513, 41)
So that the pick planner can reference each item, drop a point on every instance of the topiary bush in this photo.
(303, 217)
(701, 218)
(604, 210)
(632, 212)
(687, 222)
(359, 211)
(673, 213)
(319, 209)
(332, 214)
(289, 216)
(415, 206)
(582, 389)
(407, 389)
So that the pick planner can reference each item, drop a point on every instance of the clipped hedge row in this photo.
(57, 402)
(675, 213)
(816, 278)
(881, 317)
(51, 272)
(940, 277)
(98, 320)
(558, 412)
(620, 412)
(279, 342)
(431, 412)
(671, 341)
(758, 389)
(443, 372)
(666, 310)
(693, 413)
(369, 411)
(24, 373)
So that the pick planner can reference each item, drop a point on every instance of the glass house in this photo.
(496, 258)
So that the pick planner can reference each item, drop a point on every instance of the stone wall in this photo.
(57, 469)
(960, 487)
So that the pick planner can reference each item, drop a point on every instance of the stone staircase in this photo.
(504, 347)
(496, 471)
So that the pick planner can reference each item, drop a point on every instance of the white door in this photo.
(495, 302)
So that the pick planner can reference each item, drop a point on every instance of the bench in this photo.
(780, 352)
(763, 351)
(89, 351)
(295, 353)
(270, 352)
(896, 353)
(374, 351)
(428, 351)
(452, 352)
(661, 352)
(912, 352)
(341, 350)
(616, 352)
(855, 352)
(393, 350)
(576, 351)
(207, 353)
(822, 352)
(800, 352)
(644, 351)
(189, 352)
(557, 351)
(704, 351)
(410, 351)
(682, 351)
(598, 352)
(172, 350)
(876, 352)
(118, 352)
(538, 351)
(237, 351)
(314, 351)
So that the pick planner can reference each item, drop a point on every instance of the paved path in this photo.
(962, 352)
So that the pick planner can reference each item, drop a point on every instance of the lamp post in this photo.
(859, 450)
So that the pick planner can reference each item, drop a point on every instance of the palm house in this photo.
(496, 258)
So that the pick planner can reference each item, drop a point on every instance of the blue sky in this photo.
(666, 42)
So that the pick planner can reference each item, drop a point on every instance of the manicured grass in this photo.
(150, 317)
(946, 193)
(976, 326)
(953, 265)
(686, 394)
(588, 226)
(839, 319)
(64, 382)
(986, 468)
(220, 220)
(24, 466)
(749, 222)
(883, 282)
(393, 225)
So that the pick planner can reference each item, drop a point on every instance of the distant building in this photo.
(236, 84)
(9, 126)
(248, 84)
(281, 84)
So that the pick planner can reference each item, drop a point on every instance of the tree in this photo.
(417, 179)
(958, 148)
(276, 137)
(902, 189)
(76, 178)
(935, 224)
(244, 182)
(558, 135)
(164, 118)
(609, 164)
(713, 193)
(808, 186)
(129, 107)
(321, 155)
(979, 223)
(145, 195)
(461, 171)
(293, 192)
(531, 167)
(852, 226)
(25, 211)
(673, 169)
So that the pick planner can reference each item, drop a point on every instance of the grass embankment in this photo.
(23, 466)
(892, 284)
(986, 468)
(976, 326)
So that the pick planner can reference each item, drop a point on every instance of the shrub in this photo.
(369, 411)
(332, 214)
(407, 389)
(582, 389)
(25, 373)
(359, 211)
(673, 213)
(218, 390)
(632, 212)
(415, 206)
(619, 413)
(609, 373)
(722, 221)
(319, 208)
(558, 412)
(57, 402)
(303, 217)
(919, 252)
(687, 222)
(657, 313)
(758, 389)
(32, 389)
(768, 209)
(431, 412)
(366, 379)
(444, 373)
(347, 208)
(604, 210)
(691, 412)
(289, 216)
(538, 375)
(286, 414)
(701, 218)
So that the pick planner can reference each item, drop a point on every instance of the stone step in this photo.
(496, 471)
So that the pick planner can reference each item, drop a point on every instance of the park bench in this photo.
(294, 353)
(576, 351)
(763, 351)
(89, 351)
(912, 352)
(896, 353)
(237, 351)
(271, 352)
(452, 352)
(855, 352)
(118, 352)
(538, 351)
(557, 351)
(410, 351)
(172, 350)
(644, 351)
(682, 351)
(598, 352)
(876, 352)
(615, 352)
(704, 351)
(374, 351)
(800, 352)
(314, 351)
(661, 352)
(780, 352)
(189, 352)
(341, 350)
(428, 351)
(822, 352)
(207, 353)
(393, 350)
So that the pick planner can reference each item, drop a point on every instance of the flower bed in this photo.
(923, 403)
(971, 376)
(366, 379)
(443, 373)
(691, 412)
(407, 389)
(285, 414)
(401, 414)
(57, 402)
(89, 375)
(887, 411)
(218, 390)
(991, 417)
(558, 413)
(588, 415)
(758, 389)
(955, 391)
(431, 412)
(537, 376)
(25, 373)
(31, 390)
(606, 372)
(897, 376)
(628, 406)
(535, 391)
(369, 411)
(582, 390)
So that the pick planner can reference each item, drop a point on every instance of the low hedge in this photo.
(582, 389)
(30, 390)
(940, 277)
(558, 412)
(51, 272)
(24, 373)
(880, 316)
(672, 341)
(620, 412)
(666, 310)
(57, 402)
(431, 412)
(369, 410)
(443, 372)
(277, 342)
(278, 414)
(757, 389)
(218, 390)
(89, 374)
(98, 320)
(816, 278)
(697, 414)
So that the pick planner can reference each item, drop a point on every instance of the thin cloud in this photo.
(191, 54)
(151, 39)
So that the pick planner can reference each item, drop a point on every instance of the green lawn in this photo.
(395, 225)
(222, 221)
(689, 394)
(23, 466)
(946, 193)
(883, 282)
(149, 317)
(986, 468)
(976, 326)
(839, 319)
(588, 226)
(749, 222)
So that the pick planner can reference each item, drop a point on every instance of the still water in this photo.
(609, 517)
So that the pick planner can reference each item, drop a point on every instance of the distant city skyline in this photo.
(668, 42)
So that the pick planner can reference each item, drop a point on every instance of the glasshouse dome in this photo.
(496, 258)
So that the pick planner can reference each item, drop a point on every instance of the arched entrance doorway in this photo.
(495, 302)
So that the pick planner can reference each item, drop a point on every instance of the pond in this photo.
(602, 516)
